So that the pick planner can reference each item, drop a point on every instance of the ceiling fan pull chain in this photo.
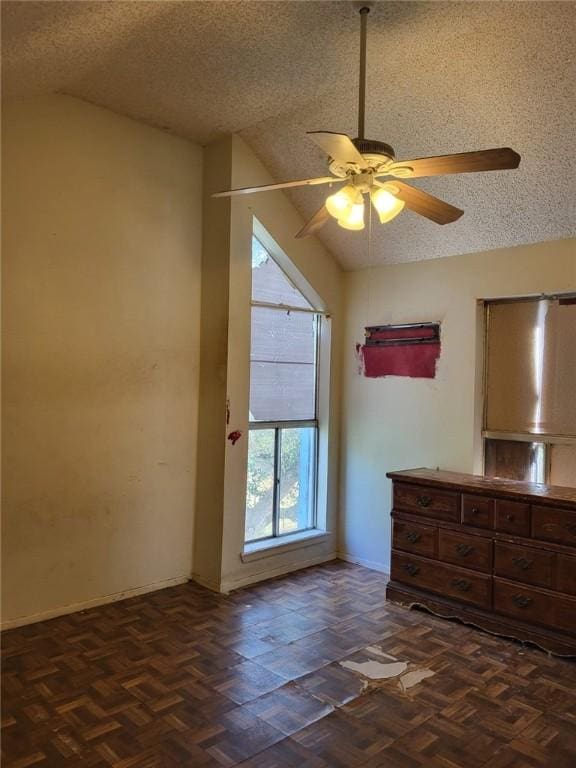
(362, 87)
(370, 266)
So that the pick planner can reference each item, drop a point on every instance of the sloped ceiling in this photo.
(442, 77)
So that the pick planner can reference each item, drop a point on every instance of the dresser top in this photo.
(535, 492)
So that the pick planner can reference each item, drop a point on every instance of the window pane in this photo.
(260, 489)
(297, 481)
(283, 365)
(563, 465)
(269, 283)
(515, 460)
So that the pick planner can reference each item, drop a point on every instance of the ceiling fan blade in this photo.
(280, 185)
(426, 205)
(466, 162)
(338, 146)
(313, 225)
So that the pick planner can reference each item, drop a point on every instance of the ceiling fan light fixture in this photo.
(387, 205)
(359, 164)
(340, 203)
(355, 218)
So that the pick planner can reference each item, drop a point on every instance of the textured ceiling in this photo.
(442, 78)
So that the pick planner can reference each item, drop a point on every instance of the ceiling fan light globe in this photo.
(387, 205)
(354, 219)
(340, 203)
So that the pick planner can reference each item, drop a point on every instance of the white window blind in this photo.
(282, 365)
(269, 284)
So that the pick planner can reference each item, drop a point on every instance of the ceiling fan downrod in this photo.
(364, 11)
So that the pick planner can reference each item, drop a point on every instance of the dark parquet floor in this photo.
(184, 677)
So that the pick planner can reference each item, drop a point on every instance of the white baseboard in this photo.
(372, 564)
(225, 587)
(230, 584)
(21, 621)
(214, 586)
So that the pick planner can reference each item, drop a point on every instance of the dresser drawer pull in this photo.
(509, 517)
(464, 549)
(423, 501)
(521, 601)
(571, 528)
(412, 537)
(411, 569)
(461, 584)
(521, 562)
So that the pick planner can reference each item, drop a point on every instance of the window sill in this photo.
(261, 549)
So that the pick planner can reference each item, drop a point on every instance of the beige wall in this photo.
(399, 423)
(213, 365)
(102, 268)
(226, 285)
(324, 278)
(101, 249)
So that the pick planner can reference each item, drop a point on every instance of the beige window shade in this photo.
(531, 367)
(563, 465)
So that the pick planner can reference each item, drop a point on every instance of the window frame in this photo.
(280, 425)
(545, 439)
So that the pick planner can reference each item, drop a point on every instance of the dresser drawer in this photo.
(447, 580)
(477, 511)
(415, 537)
(512, 517)
(467, 551)
(536, 606)
(553, 524)
(533, 566)
(430, 502)
(566, 574)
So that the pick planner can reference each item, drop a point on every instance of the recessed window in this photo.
(283, 436)
(530, 406)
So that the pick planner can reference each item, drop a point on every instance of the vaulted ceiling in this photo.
(443, 77)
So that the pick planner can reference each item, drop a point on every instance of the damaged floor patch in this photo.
(410, 679)
(376, 670)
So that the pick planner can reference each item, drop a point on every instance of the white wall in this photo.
(399, 423)
(101, 249)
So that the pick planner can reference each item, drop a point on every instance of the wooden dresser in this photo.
(498, 554)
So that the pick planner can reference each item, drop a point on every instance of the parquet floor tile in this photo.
(289, 709)
(184, 678)
(342, 741)
(246, 681)
(286, 754)
(389, 712)
(333, 685)
(438, 744)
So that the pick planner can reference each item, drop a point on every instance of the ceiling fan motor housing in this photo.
(377, 156)
(373, 147)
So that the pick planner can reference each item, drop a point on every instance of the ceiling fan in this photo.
(361, 163)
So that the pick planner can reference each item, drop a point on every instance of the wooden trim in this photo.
(372, 565)
(230, 584)
(537, 493)
(270, 547)
(529, 437)
(84, 605)
(550, 641)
